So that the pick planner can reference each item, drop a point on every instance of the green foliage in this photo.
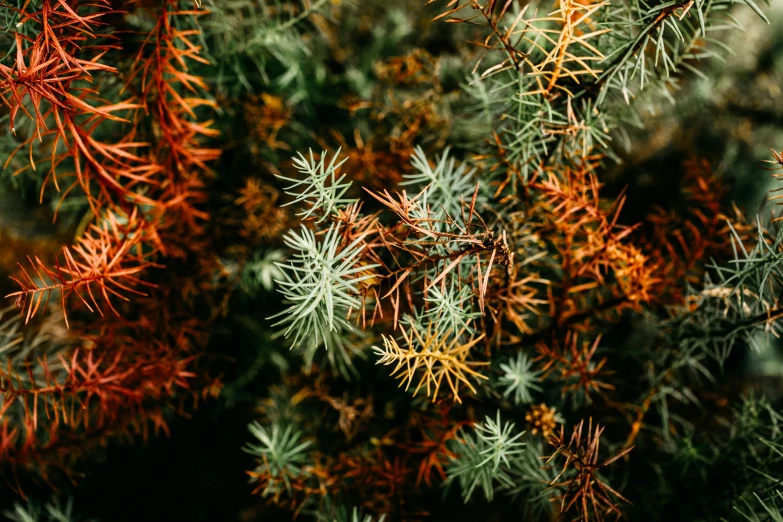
(520, 379)
(343, 514)
(321, 284)
(769, 510)
(450, 308)
(485, 457)
(254, 42)
(320, 188)
(50, 512)
(749, 287)
(501, 161)
(532, 478)
(445, 187)
(280, 454)
(261, 271)
(645, 47)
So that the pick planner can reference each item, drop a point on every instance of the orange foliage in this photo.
(574, 365)
(108, 258)
(585, 491)
(436, 432)
(682, 242)
(46, 75)
(110, 376)
(592, 247)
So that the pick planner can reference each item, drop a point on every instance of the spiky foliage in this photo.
(280, 454)
(485, 457)
(583, 490)
(769, 509)
(517, 259)
(353, 515)
(108, 263)
(124, 152)
(519, 379)
(451, 309)
(445, 186)
(530, 213)
(261, 272)
(322, 284)
(434, 358)
(319, 188)
(50, 512)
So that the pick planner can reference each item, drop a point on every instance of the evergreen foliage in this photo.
(547, 214)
